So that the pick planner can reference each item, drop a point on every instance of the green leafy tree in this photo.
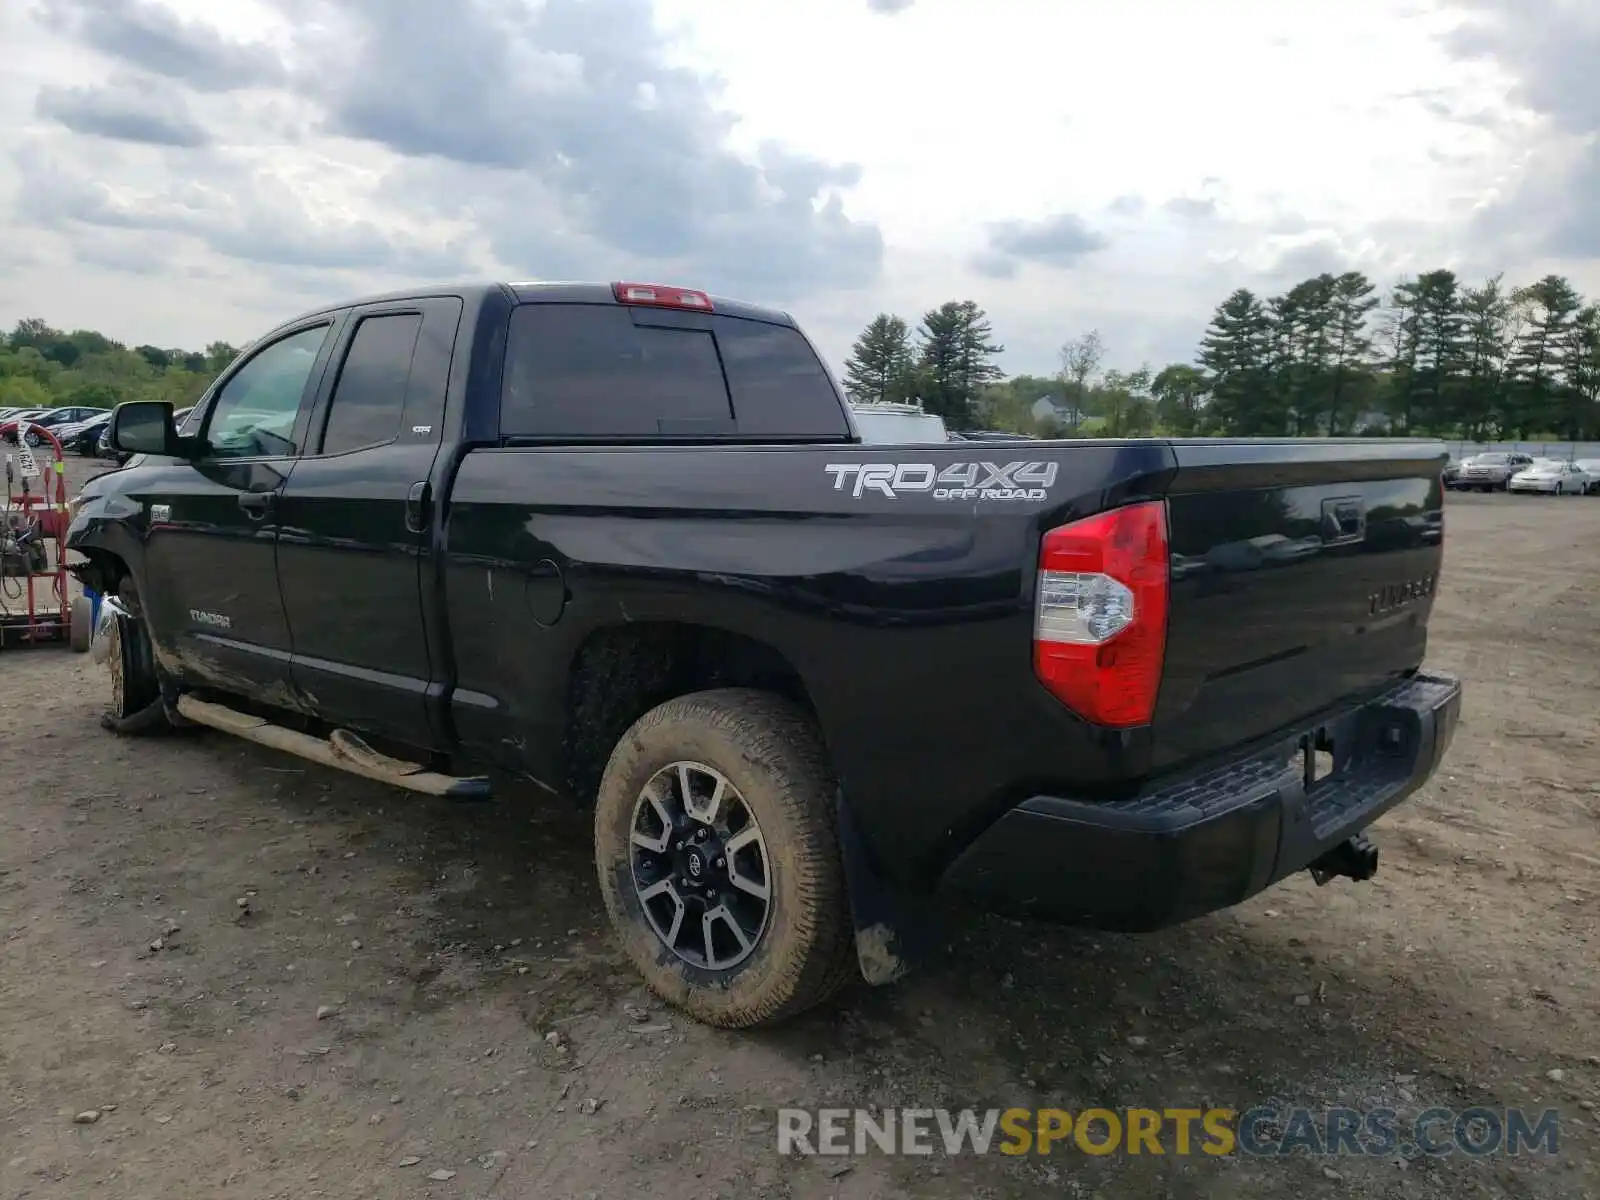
(1126, 405)
(24, 391)
(35, 332)
(1080, 365)
(217, 356)
(1180, 395)
(42, 367)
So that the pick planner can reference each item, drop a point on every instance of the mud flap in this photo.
(894, 931)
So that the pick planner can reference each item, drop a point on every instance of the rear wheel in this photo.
(718, 859)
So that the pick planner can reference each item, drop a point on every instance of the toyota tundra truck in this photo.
(625, 542)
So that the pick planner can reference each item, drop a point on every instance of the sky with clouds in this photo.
(176, 172)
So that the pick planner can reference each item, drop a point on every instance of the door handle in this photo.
(417, 506)
(255, 504)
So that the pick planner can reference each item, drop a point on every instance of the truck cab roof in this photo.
(553, 292)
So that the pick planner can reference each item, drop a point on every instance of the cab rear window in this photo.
(615, 372)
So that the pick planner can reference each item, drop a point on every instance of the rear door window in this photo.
(596, 370)
(370, 396)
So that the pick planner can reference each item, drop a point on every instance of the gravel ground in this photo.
(271, 980)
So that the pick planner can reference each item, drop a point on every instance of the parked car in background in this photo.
(1551, 477)
(1591, 468)
(104, 449)
(80, 437)
(53, 419)
(887, 423)
(1451, 476)
(1492, 470)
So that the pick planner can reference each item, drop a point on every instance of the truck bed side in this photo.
(905, 614)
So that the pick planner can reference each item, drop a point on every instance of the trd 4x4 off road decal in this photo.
(954, 481)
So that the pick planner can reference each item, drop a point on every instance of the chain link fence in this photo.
(1568, 451)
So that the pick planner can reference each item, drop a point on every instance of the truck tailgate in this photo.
(1302, 575)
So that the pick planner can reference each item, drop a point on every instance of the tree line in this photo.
(44, 367)
(1329, 356)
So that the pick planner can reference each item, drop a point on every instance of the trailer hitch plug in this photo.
(1356, 858)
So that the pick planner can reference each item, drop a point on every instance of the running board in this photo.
(342, 750)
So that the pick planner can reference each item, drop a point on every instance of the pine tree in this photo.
(880, 360)
(1302, 325)
(1540, 363)
(1235, 353)
(956, 360)
(1354, 298)
(1488, 334)
(1440, 350)
(1403, 326)
(1584, 375)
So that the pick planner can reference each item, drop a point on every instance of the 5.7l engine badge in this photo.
(955, 481)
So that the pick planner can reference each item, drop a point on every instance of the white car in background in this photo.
(891, 424)
(1591, 468)
(1552, 477)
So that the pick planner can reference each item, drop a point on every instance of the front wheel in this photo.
(131, 665)
(718, 859)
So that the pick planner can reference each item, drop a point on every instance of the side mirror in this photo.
(145, 427)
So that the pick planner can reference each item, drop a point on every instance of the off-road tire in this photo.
(772, 752)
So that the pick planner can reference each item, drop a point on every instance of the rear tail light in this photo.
(658, 295)
(1100, 627)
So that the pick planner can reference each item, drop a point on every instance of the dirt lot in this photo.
(472, 1009)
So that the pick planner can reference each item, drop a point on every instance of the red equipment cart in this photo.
(35, 599)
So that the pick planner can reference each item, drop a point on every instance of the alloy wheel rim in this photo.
(114, 665)
(700, 867)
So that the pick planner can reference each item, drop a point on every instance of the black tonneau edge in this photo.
(1213, 464)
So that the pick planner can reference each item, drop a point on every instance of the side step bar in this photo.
(343, 750)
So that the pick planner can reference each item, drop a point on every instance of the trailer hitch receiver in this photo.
(1355, 857)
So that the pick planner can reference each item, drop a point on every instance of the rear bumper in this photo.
(1195, 843)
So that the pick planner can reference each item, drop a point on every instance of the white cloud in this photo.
(176, 172)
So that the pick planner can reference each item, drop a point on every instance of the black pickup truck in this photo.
(624, 541)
